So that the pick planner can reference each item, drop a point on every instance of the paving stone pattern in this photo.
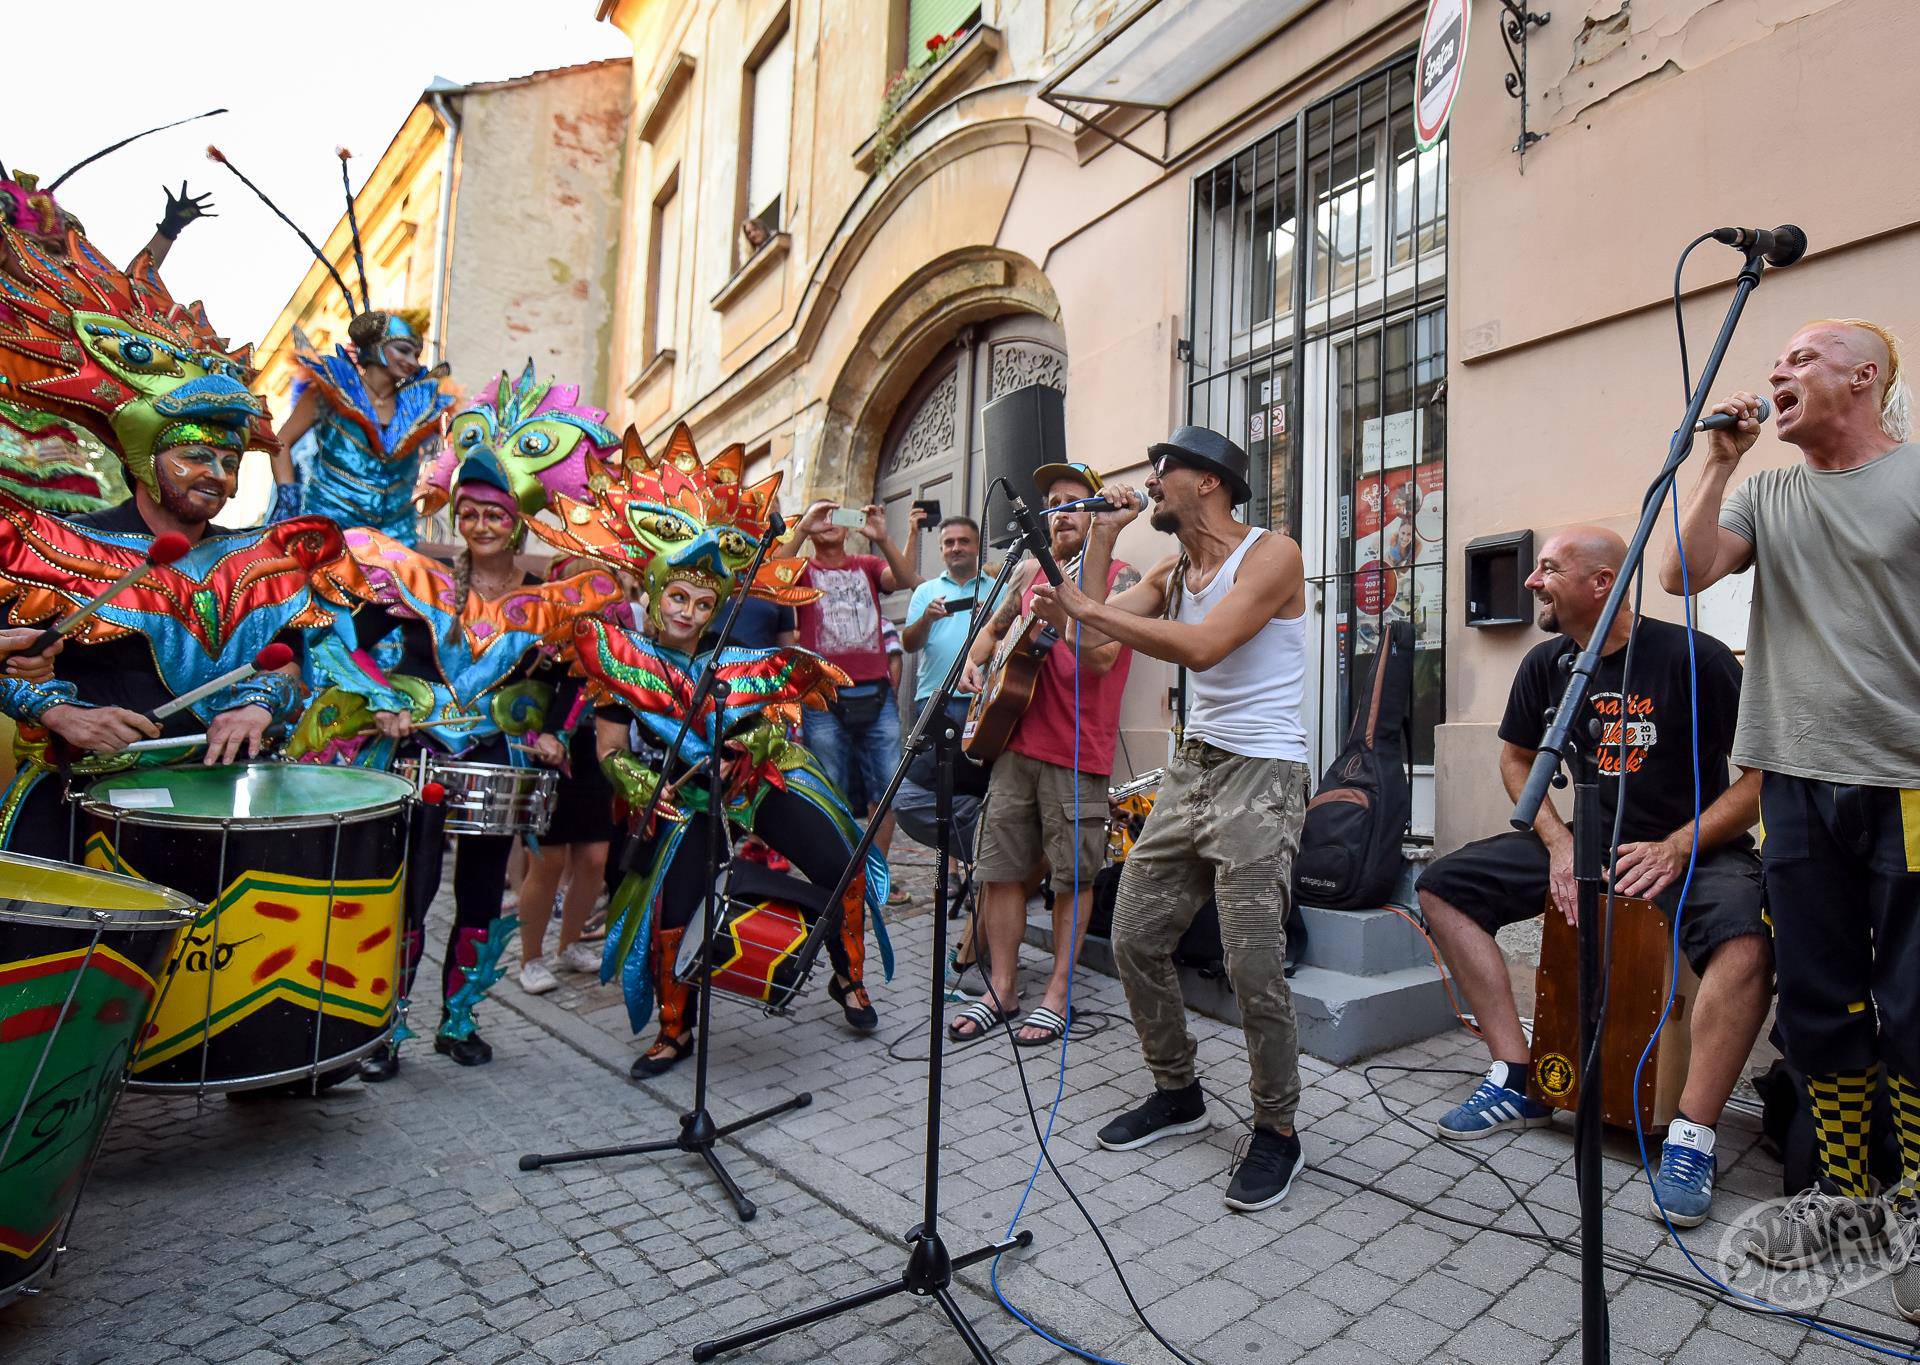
(389, 1223)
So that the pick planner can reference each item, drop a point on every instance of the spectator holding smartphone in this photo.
(859, 735)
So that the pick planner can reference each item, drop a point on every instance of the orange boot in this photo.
(676, 1034)
(852, 997)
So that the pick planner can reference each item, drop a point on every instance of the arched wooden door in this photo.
(935, 445)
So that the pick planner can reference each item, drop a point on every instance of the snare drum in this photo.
(292, 970)
(1128, 807)
(765, 918)
(487, 798)
(81, 954)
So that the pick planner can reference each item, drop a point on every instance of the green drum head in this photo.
(36, 889)
(263, 793)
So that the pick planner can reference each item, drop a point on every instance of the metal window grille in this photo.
(1317, 339)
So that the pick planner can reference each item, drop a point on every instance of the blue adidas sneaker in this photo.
(1493, 1108)
(1684, 1183)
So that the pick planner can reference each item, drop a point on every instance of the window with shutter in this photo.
(925, 18)
(771, 92)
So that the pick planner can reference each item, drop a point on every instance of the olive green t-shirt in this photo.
(1833, 644)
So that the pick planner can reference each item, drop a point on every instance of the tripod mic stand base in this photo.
(698, 1135)
(929, 1275)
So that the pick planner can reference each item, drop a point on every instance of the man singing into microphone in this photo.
(1828, 717)
(1231, 609)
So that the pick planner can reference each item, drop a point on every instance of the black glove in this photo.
(183, 209)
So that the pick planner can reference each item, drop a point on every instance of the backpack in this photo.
(1349, 855)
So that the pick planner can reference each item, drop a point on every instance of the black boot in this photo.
(471, 1050)
(383, 1064)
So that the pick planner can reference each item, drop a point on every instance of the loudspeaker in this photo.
(1025, 429)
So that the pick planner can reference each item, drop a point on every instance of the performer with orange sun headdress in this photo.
(687, 531)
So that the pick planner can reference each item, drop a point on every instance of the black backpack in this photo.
(1350, 846)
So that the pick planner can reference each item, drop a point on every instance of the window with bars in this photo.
(1317, 307)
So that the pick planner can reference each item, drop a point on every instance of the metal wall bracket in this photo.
(1514, 27)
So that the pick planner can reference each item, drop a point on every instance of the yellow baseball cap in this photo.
(1047, 475)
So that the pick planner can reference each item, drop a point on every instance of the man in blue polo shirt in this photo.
(937, 621)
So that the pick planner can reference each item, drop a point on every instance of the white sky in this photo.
(298, 77)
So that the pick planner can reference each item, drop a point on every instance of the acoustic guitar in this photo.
(1011, 678)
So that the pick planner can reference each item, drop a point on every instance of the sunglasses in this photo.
(1160, 464)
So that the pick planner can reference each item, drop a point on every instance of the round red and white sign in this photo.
(1443, 56)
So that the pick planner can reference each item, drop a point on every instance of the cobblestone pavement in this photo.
(389, 1223)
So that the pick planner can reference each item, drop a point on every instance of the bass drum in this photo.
(292, 970)
(82, 956)
(765, 918)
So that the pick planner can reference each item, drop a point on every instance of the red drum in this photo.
(765, 917)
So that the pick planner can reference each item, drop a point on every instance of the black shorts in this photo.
(583, 802)
(1503, 880)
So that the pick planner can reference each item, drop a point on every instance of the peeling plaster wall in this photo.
(1664, 118)
(536, 228)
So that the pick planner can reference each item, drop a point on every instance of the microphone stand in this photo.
(1590, 835)
(929, 1269)
(698, 1133)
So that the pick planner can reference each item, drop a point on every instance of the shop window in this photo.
(1317, 340)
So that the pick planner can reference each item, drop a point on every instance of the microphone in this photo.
(1098, 502)
(1781, 246)
(1723, 421)
(1039, 544)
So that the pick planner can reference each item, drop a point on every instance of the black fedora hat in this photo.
(1210, 452)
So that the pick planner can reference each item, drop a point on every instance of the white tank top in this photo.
(1250, 702)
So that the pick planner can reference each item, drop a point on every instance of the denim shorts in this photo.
(860, 759)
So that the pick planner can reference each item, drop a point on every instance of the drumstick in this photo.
(274, 734)
(455, 723)
(274, 656)
(164, 550)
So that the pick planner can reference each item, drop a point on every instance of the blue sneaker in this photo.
(1493, 1108)
(1684, 1183)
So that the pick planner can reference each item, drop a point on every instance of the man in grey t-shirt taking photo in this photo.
(1830, 715)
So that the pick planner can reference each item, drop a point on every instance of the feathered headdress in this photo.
(673, 516)
(113, 351)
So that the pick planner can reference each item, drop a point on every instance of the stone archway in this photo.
(904, 337)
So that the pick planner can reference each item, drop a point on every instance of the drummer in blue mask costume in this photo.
(474, 684)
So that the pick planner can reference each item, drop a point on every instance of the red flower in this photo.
(934, 43)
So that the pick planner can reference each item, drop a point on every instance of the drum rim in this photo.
(218, 1087)
(146, 815)
(540, 775)
(182, 909)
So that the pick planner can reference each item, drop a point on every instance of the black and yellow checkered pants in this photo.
(1842, 870)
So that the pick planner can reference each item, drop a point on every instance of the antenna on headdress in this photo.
(215, 154)
(61, 180)
(353, 226)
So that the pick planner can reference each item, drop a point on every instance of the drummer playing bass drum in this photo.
(473, 681)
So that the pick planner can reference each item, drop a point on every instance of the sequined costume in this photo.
(673, 518)
(113, 353)
(359, 470)
(478, 680)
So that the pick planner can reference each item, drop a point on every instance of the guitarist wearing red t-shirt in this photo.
(1029, 808)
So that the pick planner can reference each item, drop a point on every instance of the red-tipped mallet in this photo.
(164, 550)
(433, 793)
(274, 656)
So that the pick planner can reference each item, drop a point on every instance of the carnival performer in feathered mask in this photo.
(372, 409)
(113, 354)
(474, 682)
(687, 531)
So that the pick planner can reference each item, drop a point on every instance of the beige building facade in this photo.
(836, 246)
(494, 213)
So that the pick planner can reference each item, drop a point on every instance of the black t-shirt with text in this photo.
(1658, 734)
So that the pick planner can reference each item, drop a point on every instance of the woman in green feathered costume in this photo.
(687, 531)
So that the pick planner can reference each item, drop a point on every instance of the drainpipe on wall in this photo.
(443, 227)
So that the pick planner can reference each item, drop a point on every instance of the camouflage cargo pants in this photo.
(1228, 826)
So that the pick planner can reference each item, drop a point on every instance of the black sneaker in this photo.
(1268, 1162)
(1167, 1113)
(472, 1050)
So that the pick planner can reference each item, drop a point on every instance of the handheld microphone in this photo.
(1781, 246)
(1098, 502)
(1039, 545)
(1722, 421)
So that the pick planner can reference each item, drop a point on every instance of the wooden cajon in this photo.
(1642, 959)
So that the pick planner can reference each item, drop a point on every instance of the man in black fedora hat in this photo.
(1231, 609)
